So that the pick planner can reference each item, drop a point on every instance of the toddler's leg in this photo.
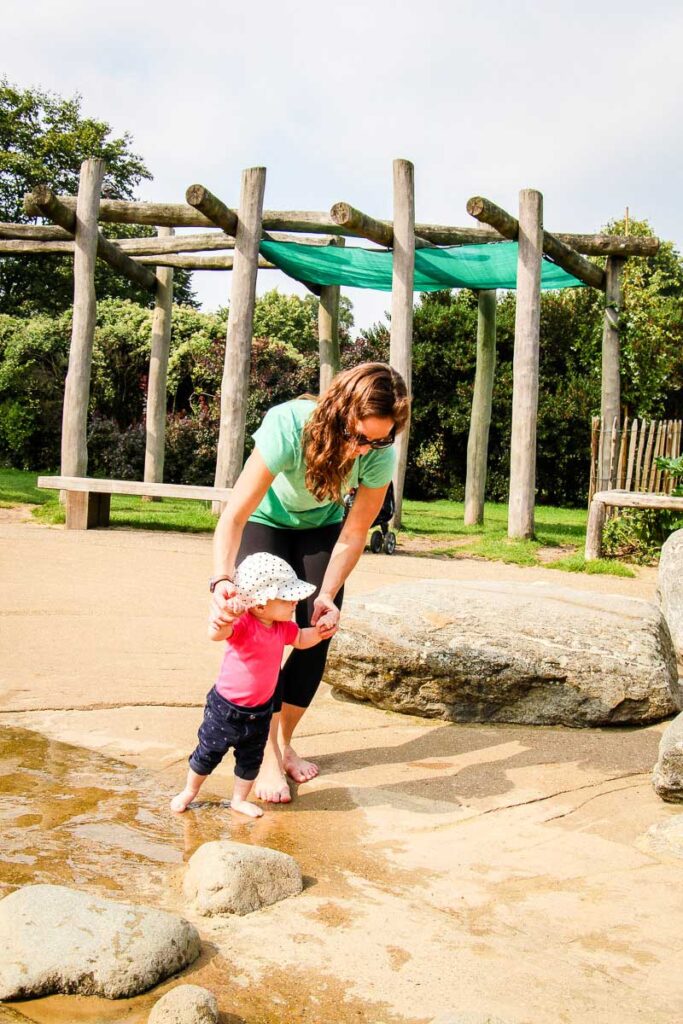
(193, 784)
(239, 802)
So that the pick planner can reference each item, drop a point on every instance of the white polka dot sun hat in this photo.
(263, 577)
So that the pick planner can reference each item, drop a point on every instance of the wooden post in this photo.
(525, 366)
(610, 400)
(158, 369)
(478, 442)
(596, 521)
(77, 387)
(401, 343)
(328, 334)
(235, 384)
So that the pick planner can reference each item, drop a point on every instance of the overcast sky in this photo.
(580, 100)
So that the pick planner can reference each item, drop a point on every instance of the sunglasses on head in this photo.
(380, 442)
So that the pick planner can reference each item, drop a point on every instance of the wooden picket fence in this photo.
(633, 450)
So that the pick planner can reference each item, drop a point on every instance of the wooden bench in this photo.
(88, 500)
(620, 499)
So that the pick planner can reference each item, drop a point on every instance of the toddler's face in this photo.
(279, 610)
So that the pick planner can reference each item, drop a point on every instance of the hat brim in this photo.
(295, 590)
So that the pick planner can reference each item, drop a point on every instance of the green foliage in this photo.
(672, 468)
(444, 357)
(637, 535)
(43, 140)
(33, 361)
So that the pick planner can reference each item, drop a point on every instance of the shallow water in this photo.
(70, 816)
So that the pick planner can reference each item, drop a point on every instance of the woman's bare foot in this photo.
(271, 784)
(296, 767)
(182, 801)
(244, 807)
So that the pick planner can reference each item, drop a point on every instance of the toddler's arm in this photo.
(310, 636)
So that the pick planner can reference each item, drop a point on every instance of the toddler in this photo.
(239, 707)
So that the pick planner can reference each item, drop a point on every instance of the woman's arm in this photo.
(348, 549)
(251, 485)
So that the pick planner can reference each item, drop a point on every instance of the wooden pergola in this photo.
(233, 244)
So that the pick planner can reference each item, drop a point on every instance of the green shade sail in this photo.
(493, 265)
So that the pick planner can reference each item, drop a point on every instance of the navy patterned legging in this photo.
(308, 552)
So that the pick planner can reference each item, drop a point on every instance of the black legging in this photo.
(308, 552)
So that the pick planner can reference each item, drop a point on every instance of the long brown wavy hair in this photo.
(369, 389)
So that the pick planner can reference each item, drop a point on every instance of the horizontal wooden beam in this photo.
(26, 247)
(205, 242)
(197, 492)
(565, 257)
(34, 232)
(361, 225)
(194, 262)
(214, 209)
(52, 208)
(121, 211)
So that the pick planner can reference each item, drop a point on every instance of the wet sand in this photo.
(447, 867)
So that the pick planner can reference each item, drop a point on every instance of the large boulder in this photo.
(55, 939)
(670, 587)
(234, 878)
(185, 1004)
(502, 652)
(667, 777)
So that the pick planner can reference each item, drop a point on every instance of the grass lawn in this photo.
(440, 523)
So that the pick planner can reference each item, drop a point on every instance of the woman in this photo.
(288, 500)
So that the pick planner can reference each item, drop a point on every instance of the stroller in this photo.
(382, 539)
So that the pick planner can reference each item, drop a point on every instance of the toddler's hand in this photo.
(327, 625)
(236, 606)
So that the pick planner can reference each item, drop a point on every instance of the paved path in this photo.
(465, 868)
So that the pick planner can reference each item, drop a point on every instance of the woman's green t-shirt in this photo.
(287, 502)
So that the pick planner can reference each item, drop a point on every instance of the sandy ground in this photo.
(448, 868)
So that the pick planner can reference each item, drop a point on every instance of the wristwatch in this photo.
(215, 580)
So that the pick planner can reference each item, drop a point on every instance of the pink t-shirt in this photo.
(252, 659)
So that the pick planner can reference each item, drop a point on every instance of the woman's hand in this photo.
(325, 616)
(225, 605)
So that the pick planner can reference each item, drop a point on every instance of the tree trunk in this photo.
(77, 387)
(235, 386)
(401, 344)
(610, 399)
(158, 371)
(525, 366)
(478, 442)
(328, 334)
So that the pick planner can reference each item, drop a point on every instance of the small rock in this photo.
(234, 878)
(666, 837)
(56, 939)
(670, 587)
(185, 1004)
(667, 777)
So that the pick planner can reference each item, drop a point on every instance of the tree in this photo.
(43, 140)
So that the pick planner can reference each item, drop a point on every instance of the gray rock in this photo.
(670, 587)
(666, 837)
(667, 777)
(185, 1004)
(56, 939)
(234, 878)
(502, 652)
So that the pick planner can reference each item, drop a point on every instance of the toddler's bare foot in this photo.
(296, 767)
(244, 807)
(181, 802)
